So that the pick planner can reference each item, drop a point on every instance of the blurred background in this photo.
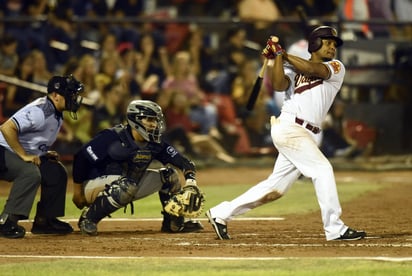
(199, 58)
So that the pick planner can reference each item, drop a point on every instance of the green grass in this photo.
(185, 267)
(300, 199)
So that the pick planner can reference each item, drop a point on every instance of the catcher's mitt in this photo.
(188, 202)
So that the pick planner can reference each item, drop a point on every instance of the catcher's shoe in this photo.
(192, 226)
(219, 226)
(87, 226)
(352, 235)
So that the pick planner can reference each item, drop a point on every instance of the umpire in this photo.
(25, 160)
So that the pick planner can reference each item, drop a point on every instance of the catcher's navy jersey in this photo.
(114, 152)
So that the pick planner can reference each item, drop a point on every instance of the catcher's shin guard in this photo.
(117, 194)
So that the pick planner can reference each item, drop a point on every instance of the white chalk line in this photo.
(160, 219)
(386, 259)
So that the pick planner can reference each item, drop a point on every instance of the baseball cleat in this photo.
(87, 226)
(352, 235)
(192, 226)
(219, 226)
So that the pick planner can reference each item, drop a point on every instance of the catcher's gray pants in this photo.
(150, 183)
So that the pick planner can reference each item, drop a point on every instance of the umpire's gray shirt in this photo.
(38, 124)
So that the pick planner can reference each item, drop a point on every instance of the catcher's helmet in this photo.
(322, 32)
(70, 89)
(139, 109)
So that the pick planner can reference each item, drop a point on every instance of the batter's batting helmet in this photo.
(139, 109)
(69, 88)
(322, 32)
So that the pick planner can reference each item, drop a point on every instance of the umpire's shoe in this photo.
(219, 226)
(87, 226)
(351, 235)
(50, 226)
(10, 229)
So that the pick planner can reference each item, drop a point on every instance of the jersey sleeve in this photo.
(337, 72)
(169, 155)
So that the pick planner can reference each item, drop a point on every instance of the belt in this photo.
(301, 122)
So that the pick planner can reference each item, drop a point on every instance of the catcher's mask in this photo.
(138, 110)
(70, 89)
(322, 32)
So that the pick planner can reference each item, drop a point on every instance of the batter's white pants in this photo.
(298, 153)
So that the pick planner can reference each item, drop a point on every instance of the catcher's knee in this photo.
(170, 180)
(121, 191)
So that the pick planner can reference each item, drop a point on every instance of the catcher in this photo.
(112, 170)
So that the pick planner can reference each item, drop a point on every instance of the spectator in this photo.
(153, 58)
(9, 58)
(182, 78)
(129, 8)
(381, 9)
(335, 142)
(402, 12)
(177, 116)
(259, 15)
(18, 96)
(255, 121)
(234, 137)
(41, 73)
(110, 112)
(355, 10)
(108, 49)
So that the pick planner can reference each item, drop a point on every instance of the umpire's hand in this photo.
(78, 196)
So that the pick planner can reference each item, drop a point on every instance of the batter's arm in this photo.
(280, 82)
(307, 67)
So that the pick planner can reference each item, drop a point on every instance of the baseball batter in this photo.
(112, 170)
(310, 87)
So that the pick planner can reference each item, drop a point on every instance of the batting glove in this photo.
(275, 46)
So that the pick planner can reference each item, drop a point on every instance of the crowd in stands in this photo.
(202, 89)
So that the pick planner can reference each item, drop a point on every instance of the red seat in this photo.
(363, 134)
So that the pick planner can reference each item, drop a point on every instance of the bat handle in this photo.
(263, 68)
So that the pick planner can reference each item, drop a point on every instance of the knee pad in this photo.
(121, 192)
(170, 180)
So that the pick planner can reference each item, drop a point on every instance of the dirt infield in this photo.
(385, 214)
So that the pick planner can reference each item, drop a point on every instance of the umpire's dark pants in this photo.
(26, 178)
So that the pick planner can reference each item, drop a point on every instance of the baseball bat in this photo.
(256, 86)
(35, 87)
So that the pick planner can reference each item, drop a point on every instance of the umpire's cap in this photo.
(64, 85)
(322, 32)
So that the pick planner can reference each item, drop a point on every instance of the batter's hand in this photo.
(268, 53)
(274, 45)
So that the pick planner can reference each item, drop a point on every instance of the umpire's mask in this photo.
(70, 89)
